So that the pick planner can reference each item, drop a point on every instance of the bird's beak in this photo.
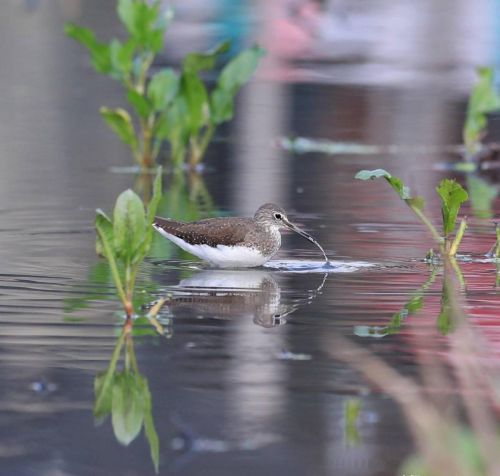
(296, 229)
(307, 236)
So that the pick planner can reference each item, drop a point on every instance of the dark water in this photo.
(242, 382)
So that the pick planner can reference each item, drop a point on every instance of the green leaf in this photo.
(195, 62)
(221, 105)
(139, 102)
(236, 73)
(128, 225)
(239, 70)
(100, 53)
(127, 407)
(162, 88)
(105, 234)
(483, 99)
(452, 196)
(119, 120)
(195, 94)
(122, 56)
(144, 22)
(417, 202)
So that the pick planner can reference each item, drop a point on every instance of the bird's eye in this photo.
(278, 216)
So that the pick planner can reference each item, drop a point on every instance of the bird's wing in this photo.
(211, 232)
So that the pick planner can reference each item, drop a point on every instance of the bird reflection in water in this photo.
(230, 294)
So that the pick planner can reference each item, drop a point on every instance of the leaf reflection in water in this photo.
(126, 397)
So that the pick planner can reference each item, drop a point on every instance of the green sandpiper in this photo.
(233, 242)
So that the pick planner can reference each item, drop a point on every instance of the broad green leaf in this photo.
(195, 94)
(236, 73)
(196, 62)
(239, 70)
(128, 225)
(100, 53)
(149, 427)
(221, 105)
(105, 233)
(127, 407)
(173, 123)
(119, 120)
(162, 88)
(144, 22)
(122, 56)
(452, 196)
(139, 102)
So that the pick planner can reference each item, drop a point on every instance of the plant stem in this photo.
(114, 267)
(439, 239)
(458, 237)
(199, 147)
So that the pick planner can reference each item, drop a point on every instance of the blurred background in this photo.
(236, 393)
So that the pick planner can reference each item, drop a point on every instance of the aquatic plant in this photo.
(457, 434)
(169, 106)
(126, 240)
(126, 397)
(484, 99)
(452, 196)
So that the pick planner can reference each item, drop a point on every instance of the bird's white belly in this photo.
(222, 256)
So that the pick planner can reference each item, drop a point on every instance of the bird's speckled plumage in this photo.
(229, 241)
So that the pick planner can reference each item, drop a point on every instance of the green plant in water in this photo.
(126, 397)
(125, 241)
(190, 122)
(169, 107)
(452, 196)
(483, 100)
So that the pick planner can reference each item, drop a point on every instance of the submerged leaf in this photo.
(452, 196)
(119, 120)
(128, 225)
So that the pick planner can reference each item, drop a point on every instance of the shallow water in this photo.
(242, 381)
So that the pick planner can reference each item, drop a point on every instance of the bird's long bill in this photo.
(307, 236)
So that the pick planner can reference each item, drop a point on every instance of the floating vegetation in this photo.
(452, 196)
(304, 145)
(169, 106)
(126, 240)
